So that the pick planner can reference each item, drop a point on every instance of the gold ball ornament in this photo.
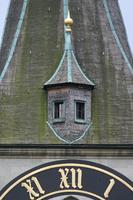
(68, 21)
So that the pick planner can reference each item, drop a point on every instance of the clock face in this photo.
(69, 180)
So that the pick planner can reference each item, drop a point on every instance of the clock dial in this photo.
(70, 178)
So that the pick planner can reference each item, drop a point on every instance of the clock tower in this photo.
(66, 102)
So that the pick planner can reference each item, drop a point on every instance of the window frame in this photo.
(62, 118)
(77, 120)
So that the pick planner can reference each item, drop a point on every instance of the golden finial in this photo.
(68, 22)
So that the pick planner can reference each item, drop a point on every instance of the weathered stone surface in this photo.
(23, 107)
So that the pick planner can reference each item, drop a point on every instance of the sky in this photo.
(125, 5)
(4, 5)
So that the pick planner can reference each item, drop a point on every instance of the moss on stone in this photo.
(23, 113)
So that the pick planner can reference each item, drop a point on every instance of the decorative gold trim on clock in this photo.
(74, 191)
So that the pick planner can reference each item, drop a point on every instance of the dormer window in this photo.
(80, 111)
(69, 95)
(58, 111)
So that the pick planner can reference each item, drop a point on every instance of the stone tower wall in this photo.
(23, 110)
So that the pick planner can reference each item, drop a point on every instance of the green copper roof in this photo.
(68, 71)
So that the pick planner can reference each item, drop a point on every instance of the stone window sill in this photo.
(58, 121)
(80, 121)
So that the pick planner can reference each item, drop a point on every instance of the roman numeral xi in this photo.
(28, 185)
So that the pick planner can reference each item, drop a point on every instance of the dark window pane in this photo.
(58, 110)
(80, 110)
